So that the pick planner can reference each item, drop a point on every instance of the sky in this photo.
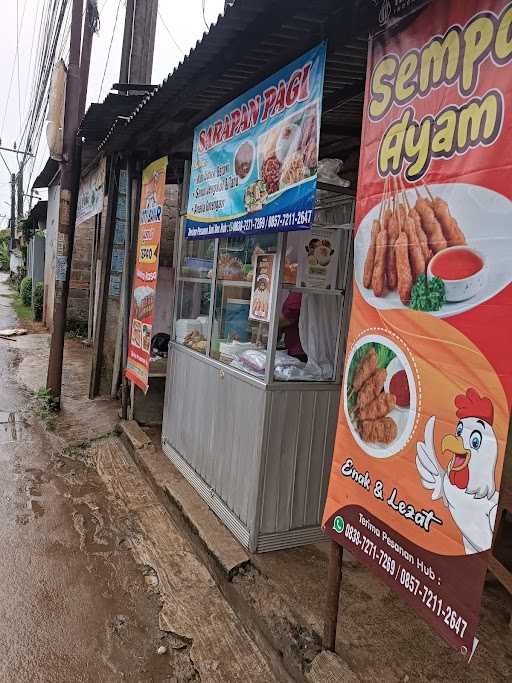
(179, 25)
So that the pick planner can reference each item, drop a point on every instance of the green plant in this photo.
(26, 291)
(428, 296)
(76, 328)
(46, 406)
(37, 301)
(4, 256)
(21, 274)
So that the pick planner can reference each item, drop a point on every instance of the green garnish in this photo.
(427, 296)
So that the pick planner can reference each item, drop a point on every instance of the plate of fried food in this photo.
(441, 249)
(380, 396)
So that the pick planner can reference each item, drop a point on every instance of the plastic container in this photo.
(184, 326)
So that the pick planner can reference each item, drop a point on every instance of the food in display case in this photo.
(230, 268)
(195, 341)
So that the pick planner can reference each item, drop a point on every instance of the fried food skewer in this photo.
(451, 230)
(378, 431)
(403, 268)
(421, 236)
(379, 407)
(416, 257)
(365, 369)
(370, 256)
(379, 268)
(392, 234)
(371, 388)
(430, 224)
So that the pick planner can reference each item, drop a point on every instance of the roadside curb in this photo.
(227, 561)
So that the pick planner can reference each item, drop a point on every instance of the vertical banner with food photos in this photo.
(427, 386)
(254, 162)
(146, 272)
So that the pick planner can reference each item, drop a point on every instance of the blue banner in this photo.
(254, 162)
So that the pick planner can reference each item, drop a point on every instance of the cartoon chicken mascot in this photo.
(467, 486)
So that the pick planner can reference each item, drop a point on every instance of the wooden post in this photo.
(333, 596)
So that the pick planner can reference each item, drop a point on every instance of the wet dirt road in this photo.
(74, 606)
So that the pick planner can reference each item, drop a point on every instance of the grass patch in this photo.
(23, 312)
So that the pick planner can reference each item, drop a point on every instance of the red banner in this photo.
(146, 272)
(427, 388)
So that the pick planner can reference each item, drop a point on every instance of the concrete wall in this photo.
(36, 259)
(52, 222)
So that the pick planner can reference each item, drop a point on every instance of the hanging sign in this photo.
(146, 272)
(254, 162)
(90, 194)
(260, 307)
(427, 387)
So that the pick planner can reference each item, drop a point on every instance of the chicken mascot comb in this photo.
(473, 405)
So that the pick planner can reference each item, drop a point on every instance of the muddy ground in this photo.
(75, 606)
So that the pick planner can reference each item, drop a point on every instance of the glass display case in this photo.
(269, 306)
(253, 378)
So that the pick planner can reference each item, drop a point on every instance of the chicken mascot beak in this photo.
(455, 445)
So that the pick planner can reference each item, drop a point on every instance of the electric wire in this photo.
(170, 34)
(109, 50)
(203, 3)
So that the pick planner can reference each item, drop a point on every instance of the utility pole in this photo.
(138, 41)
(77, 78)
(19, 183)
(12, 220)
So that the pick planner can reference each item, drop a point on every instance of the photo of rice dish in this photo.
(288, 152)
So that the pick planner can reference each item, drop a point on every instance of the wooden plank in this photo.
(108, 236)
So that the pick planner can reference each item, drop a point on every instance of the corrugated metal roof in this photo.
(47, 174)
(98, 118)
(253, 39)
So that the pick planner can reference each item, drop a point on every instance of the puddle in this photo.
(11, 427)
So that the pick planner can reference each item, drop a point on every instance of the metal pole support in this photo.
(333, 596)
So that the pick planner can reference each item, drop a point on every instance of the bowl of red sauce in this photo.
(462, 270)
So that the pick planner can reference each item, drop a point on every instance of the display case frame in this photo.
(338, 196)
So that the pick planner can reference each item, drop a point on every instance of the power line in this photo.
(204, 18)
(109, 49)
(169, 32)
(14, 62)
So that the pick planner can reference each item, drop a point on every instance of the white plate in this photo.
(404, 417)
(485, 218)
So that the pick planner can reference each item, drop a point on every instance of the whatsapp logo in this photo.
(338, 524)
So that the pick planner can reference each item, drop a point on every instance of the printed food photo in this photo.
(425, 247)
(288, 152)
(379, 396)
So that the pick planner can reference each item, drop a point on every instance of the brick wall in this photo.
(79, 284)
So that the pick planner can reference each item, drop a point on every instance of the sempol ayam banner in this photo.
(142, 309)
(427, 386)
(254, 162)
